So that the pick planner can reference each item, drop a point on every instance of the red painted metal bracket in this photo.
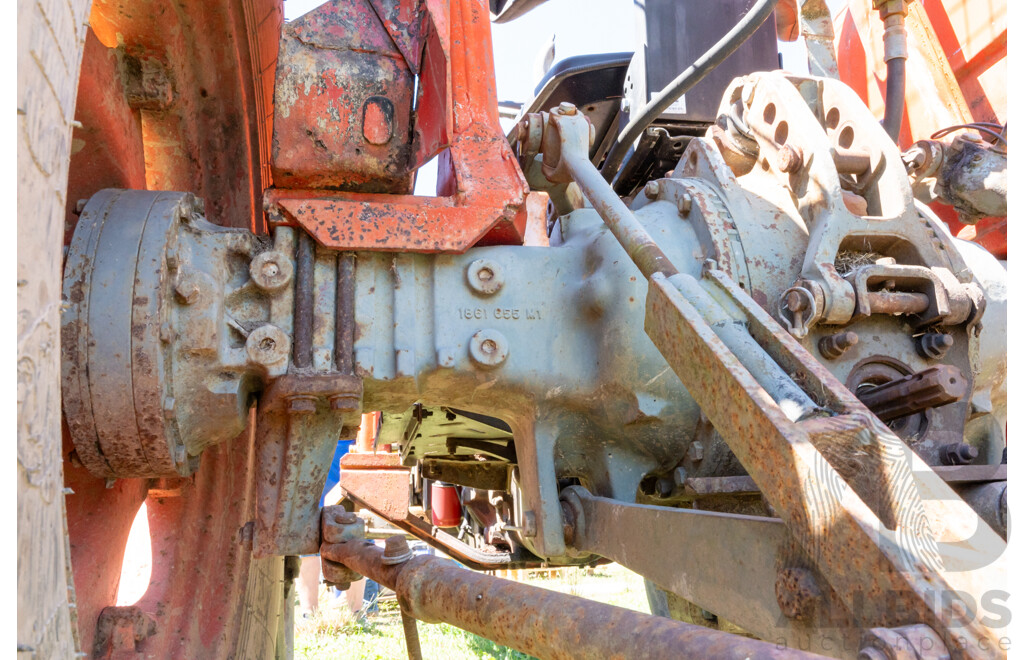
(483, 196)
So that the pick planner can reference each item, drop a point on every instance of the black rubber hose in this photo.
(696, 72)
(895, 93)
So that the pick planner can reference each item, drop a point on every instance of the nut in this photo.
(685, 204)
(485, 276)
(652, 189)
(566, 108)
(797, 592)
(833, 346)
(488, 348)
(302, 404)
(396, 550)
(934, 345)
(271, 271)
(344, 402)
(187, 289)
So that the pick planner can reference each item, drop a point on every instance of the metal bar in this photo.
(869, 564)
(412, 636)
(728, 565)
(651, 260)
(541, 622)
(345, 323)
(302, 342)
(897, 302)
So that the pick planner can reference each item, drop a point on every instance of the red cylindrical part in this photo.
(445, 507)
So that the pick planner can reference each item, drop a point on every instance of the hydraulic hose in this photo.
(696, 72)
(894, 41)
(895, 91)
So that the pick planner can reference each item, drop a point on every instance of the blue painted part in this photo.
(334, 473)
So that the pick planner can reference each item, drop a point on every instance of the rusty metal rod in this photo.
(412, 636)
(650, 259)
(916, 393)
(897, 302)
(345, 319)
(851, 162)
(543, 623)
(302, 342)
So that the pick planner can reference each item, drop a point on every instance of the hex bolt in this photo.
(790, 159)
(301, 404)
(187, 290)
(396, 550)
(695, 452)
(168, 407)
(833, 346)
(934, 345)
(652, 189)
(344, 402)
(665, 486)
(957, 453)
(797, 592)
(566, 108)
(685, 204)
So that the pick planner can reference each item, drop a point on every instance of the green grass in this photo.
(336, 633)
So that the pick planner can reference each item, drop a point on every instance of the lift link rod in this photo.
(865, 523)
(543, 623)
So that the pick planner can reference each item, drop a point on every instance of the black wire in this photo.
(696, 72)
(981, 127)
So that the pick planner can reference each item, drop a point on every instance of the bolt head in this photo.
(271, 271)
(790, 159)
(797, 592)
(267, 346)
(187, 290)
(685, 204)
(485, 276)
(302, 405)
(488, 348)
(566, 108)
(652, 189)
(396, 550)
(344, 403)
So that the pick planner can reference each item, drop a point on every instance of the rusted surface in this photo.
(783, 456)
(119, 632)
(798, 593)
(297, 433)
(730, 566)
(345, 322)
(386, 493)
(343, 103)
(483, 196)
(543, 623)
(931, 388)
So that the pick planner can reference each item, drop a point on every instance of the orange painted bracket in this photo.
(484, 198)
